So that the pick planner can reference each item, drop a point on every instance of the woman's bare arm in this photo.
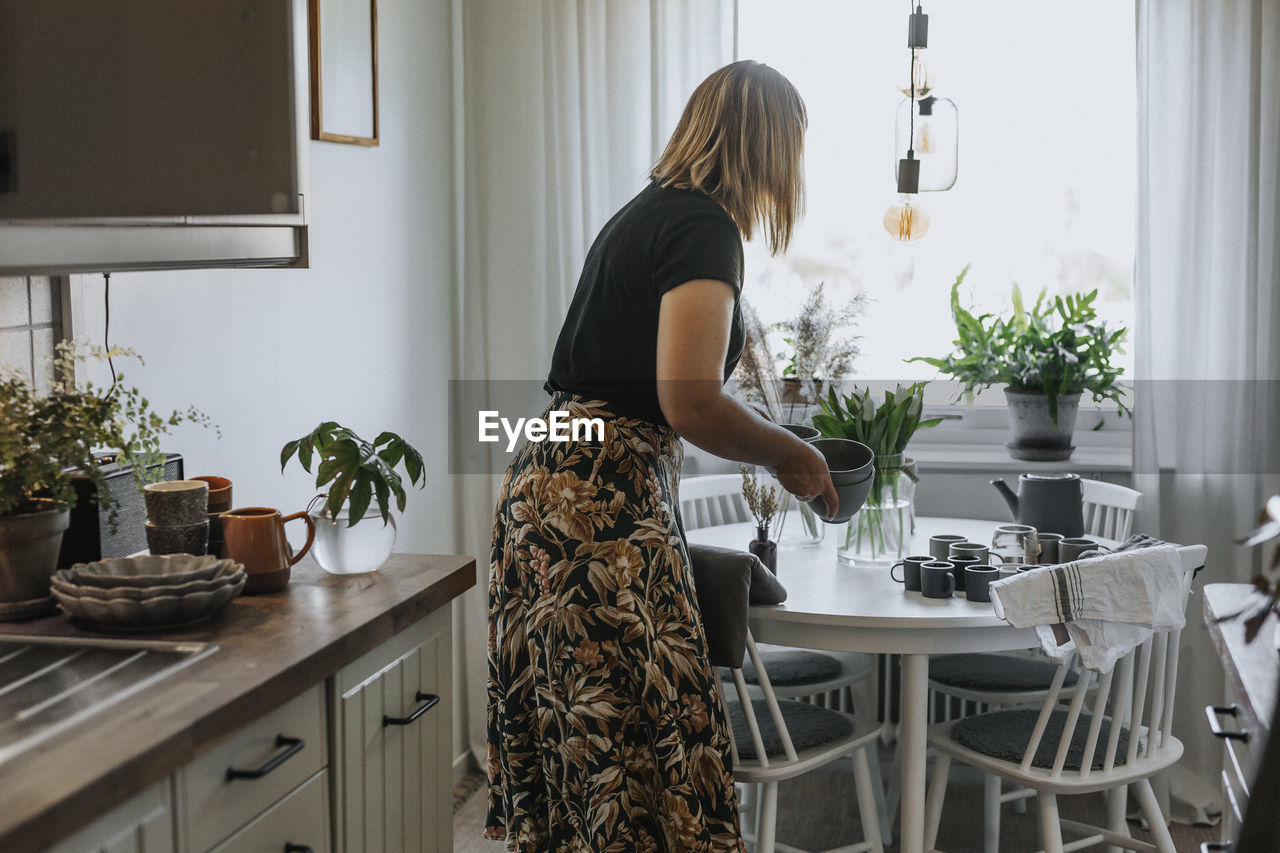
(693, 340)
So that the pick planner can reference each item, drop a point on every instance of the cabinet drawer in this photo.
(297, 823)
(142, 825)
(269, 758)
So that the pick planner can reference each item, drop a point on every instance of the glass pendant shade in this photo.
(936, 142)
(906, 221)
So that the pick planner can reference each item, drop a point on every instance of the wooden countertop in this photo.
(1254, 668)
(271, 648)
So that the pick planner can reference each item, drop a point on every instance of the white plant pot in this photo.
(343, 550)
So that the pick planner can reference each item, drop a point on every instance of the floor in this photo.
(830, 792)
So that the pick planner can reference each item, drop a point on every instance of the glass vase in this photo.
(800, 526)
(880, 532)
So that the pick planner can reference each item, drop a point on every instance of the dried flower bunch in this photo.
(763, 501)
(816, 350)
(1267, 582)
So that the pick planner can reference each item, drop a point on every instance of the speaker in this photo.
(90, 536)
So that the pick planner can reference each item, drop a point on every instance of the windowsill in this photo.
(996, 458)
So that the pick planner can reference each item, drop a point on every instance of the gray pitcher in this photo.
(1051, 503)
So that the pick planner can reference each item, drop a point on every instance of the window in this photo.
(31, 324)
(1046, 186)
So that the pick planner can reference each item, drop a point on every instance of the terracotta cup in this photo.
(219, 492)
(254, 536)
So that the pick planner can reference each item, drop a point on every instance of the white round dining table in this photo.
(837, 606)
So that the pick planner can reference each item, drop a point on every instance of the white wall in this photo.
(363, 337)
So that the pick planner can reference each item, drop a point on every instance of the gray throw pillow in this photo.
(727, 582)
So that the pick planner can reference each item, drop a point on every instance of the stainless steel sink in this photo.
(48, 684)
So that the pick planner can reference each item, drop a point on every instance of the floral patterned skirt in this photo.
(605, 724)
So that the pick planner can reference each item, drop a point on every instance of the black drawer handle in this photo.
(290, 847)
(295, 745)
(429, 701)
(1213, 711)
(1211, 846)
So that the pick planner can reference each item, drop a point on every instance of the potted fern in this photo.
(1045, 357)
(48, 438)
(356, 473)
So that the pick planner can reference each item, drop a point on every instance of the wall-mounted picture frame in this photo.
(344, 71)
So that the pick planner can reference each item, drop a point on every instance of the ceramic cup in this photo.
(255, 537)
(176, 503)
(1071, 549)
(1007, 571)
(961, 562)
(940, 545)
(977, 580)
(1049, 546)
(910, 571)
(936, 580)
(219, 492)
(969, 549)
(1011, 543)
(178, 538)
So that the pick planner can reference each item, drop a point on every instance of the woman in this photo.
(606, 729)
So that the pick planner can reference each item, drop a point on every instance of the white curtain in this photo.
(1207, 422)
(565, 104)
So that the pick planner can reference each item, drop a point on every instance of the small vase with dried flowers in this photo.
(764, 503)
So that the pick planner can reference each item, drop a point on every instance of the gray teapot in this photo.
(1051, 503)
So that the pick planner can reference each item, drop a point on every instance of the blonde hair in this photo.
(740, 141)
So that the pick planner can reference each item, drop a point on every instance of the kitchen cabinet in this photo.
(250, 771)
(1242, 721)
(145, 134)
(391, 732)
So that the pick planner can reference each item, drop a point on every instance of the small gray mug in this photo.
(977, 579)
(1049, 547)
(1071, 549)
(936, 580)
(940, 545)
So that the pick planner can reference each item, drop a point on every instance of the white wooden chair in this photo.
(777, 739)
(1126, 735)
(988, 682)
(1109, 509)
(843, 681)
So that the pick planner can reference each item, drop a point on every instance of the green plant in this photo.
(1058, 347)
(885, 428)
(357, 470)
(45, 439)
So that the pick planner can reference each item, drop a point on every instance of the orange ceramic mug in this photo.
(254, 536)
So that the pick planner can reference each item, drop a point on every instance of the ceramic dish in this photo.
(233, 575)
(152, 613)
(146, 570)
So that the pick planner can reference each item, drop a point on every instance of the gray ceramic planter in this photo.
(1035, 436)
(29, 546)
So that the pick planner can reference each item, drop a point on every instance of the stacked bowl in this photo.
(177, 517)
(149, 591)
(852, 467)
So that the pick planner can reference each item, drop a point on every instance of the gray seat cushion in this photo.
(997, 673)
(1005, 734)
(791, 668)
(808, 725)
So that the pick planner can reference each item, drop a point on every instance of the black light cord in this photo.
(106, 324)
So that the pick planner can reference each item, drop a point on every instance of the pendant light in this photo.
(905, 221)
(926, 141)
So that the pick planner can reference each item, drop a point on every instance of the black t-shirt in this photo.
(662, 238)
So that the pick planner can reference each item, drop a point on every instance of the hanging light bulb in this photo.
(930, 126)
(922, 79)
(905, 220)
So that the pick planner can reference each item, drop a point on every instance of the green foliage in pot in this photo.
(355, 470)
(1058, 347)
(45, 439)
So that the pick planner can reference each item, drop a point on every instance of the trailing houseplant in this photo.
(1046, 357)
(356, 473)
(48, 438)
(881, 529)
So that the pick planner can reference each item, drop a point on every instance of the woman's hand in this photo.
(804, 474)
